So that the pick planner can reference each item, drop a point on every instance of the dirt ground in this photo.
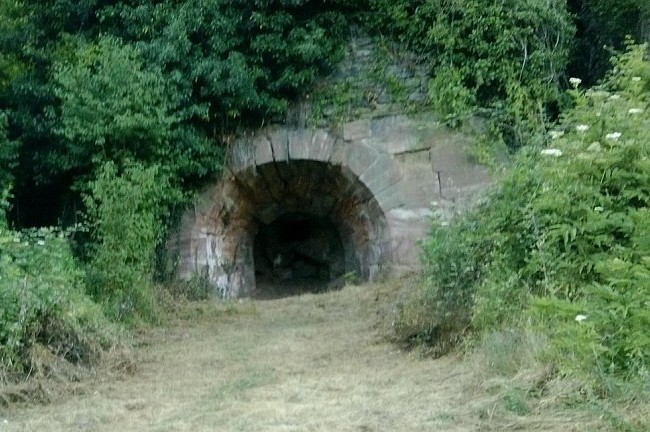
(315, 362)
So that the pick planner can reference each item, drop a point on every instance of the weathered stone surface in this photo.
(406, 227)
(375, 180)
(379, 188)
(300, 144)
(241, 155)
(378, 184)
(394, 135)
(451, 159)
(381, 174)
(359, 158)
(279, 138)
(263, 150)
(322, 146)
(357, 130)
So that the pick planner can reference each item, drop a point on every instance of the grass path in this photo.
(308, 363)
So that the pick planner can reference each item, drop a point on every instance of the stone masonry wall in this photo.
(377, 175)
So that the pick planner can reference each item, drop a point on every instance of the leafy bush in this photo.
(504, 58)
(112, 107)
(126, 211)
(42, 301)
(7, 161)
(561, 243)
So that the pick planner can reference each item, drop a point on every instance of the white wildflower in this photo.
(582, 127)
(613, 136)
(636, 78)
(575, 82)
(635, 111)
(581, 318)
(41, 243)
(556, 134)
(599, 209)
(551, 152)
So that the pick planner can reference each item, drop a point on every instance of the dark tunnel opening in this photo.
(288, 228)
(298, 253)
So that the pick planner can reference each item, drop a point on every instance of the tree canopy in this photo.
(165, 82)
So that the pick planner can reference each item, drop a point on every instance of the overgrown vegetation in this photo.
(115, 112)
(502, 59)
(559, 248)
(43, 303)
(126, 212)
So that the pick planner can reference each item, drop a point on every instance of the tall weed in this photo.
(43, 301)
(125, 211)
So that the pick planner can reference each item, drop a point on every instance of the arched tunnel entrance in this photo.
(296, 226)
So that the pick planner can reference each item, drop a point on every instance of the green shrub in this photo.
(500, 58)
(42, 300)
(561, 244)
(126, 210)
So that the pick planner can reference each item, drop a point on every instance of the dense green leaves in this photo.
(8, 156)
(112, 108)
(42, 301)
(505, 58)
(562, 242)
(160, 82)
(129, 104)
(126, 213)
(238, 60)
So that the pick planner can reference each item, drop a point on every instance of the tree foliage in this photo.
(505, 58)
(238, 60)
(602, 27)
(112, 107)
(161, 82)
(126, 212)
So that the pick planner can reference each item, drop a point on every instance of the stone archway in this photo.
(299, 180)
(311, 203)
(313, 221)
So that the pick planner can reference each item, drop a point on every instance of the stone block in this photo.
(407, 226)
(279, 138)
(381, 175)
(322, 146)
(393, 197)
(300, 142)
(395, 135)
(359, 158)
(357, 130)
(241, 155)
(263, 153)
(451, 159)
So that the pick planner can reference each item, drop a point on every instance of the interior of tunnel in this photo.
(298, 252)
(300, 226)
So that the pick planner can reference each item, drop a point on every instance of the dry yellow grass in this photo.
(307, 363)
